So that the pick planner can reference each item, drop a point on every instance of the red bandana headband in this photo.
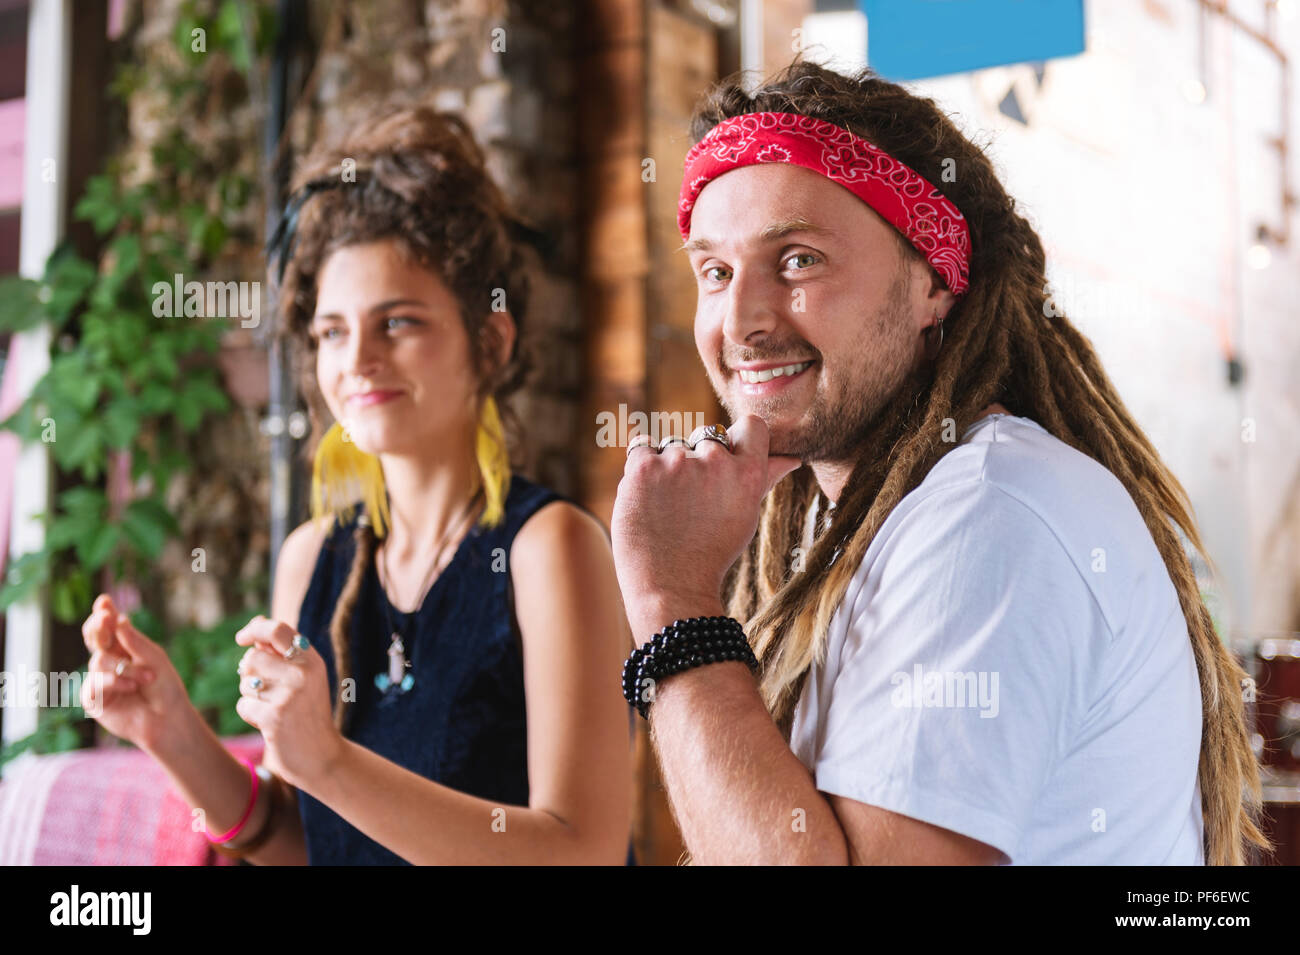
(903, 198)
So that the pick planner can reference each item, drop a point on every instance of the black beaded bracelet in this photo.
(683, 645)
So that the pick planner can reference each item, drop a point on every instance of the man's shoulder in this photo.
(1077, 497)
(1040, 485)
(1020, 457)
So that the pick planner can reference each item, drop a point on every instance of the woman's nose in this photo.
(362, 352)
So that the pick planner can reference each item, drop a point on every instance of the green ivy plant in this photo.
(122, 379)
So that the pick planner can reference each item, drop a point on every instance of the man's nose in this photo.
(753, 308)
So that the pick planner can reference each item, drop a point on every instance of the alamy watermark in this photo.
(24, 689)
(181, 299)
(946, 688)
(614, 430)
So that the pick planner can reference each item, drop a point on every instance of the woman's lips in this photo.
(373, 398)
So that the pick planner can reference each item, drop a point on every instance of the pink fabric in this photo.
(13, 125)
(102, 807)
(10, 446)
(901, 196)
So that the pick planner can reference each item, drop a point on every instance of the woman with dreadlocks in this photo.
(465, 622)
(967, 631)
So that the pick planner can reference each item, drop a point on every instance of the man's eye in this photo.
(708, 273)
(803, 255)
(401, 319)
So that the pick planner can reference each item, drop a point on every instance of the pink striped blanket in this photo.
(101, 807)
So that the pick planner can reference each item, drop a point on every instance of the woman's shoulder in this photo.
(295, 565)
(539, 511)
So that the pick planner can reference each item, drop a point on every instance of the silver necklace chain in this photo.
(397, 679)
(437, 558)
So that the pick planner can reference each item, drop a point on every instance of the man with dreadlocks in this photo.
(966, 629)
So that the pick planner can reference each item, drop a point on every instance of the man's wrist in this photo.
(656, 611)
(685, 644)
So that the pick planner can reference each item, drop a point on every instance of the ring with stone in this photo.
(710, 432)
(639, 441)
(255, 683)
(672, 439)
(297, 646)
(121, 667)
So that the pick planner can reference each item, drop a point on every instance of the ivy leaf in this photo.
(22, 422)
(121, 421)
(230, 31)
(134, 199)
(213, 237)
(72, 381)
(154, 399)
(207, 395)
(67, 279)
(164, 363)
(66, 531)
(99, 204)
(25, 576)
(94, 549)
(84, 449)
(63, 601)
(20, 304)
(147, 525)
(84, 501)
(184, 36)
(125, 255)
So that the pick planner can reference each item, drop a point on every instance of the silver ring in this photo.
(640, 441)
(670, 440)
(121, 667)
(296, 646)
(710, 432)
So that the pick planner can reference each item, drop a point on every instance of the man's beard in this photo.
(834, 427)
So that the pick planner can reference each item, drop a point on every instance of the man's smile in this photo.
(763, 379)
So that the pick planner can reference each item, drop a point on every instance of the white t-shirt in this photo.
(1010, 662)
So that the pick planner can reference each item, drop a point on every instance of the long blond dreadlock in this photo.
(1000, 344)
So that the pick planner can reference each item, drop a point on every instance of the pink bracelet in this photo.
(252, 801)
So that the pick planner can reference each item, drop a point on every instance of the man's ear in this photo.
(940, 300)
(501, 332)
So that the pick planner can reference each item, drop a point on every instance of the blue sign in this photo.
(915, 39)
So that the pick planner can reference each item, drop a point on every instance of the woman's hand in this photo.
(292, 707)
(131, 689)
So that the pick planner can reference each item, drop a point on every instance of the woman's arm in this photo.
(580, 772)
(204, 772)
(208, 777)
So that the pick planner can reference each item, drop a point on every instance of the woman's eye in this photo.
(325, 334)
(812, 259)
(400, 320)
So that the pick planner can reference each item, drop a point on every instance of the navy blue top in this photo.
(463, 723)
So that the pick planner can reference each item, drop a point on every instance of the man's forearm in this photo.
(739, 794)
